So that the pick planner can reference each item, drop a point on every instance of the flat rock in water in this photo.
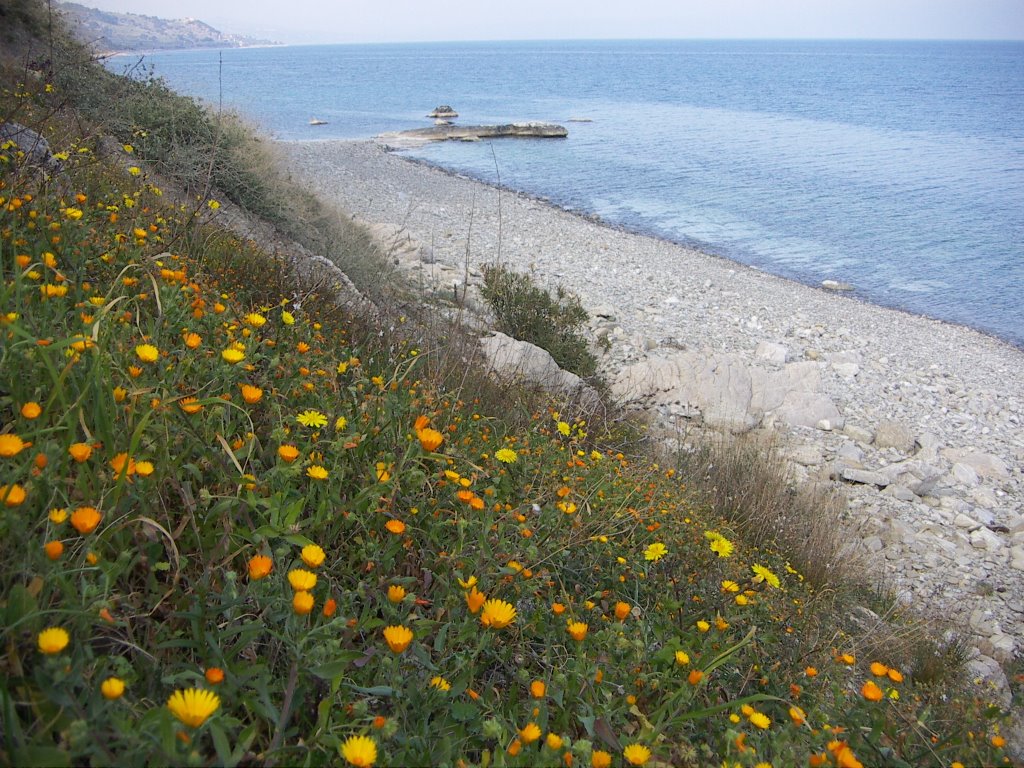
(418, 136)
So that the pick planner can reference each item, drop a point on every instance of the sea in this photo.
(894, 166)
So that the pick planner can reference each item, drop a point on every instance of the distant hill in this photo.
(107, 31)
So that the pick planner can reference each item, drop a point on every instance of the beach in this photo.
(927, 442)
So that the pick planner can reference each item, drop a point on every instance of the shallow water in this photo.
(897, 167)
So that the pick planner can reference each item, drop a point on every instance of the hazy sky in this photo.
(366, 21)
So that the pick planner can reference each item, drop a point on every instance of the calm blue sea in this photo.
(895, 166)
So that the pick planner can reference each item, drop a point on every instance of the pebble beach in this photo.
(923, 421)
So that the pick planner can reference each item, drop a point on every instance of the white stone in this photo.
(983, 538)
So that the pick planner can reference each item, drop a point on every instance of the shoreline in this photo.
(852, 294)
(940, 511)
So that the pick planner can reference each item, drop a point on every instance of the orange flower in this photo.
(288, 453)
(879, 669)
(31, 410)
(80, 451)
(398, 638)
(302, 602)
(121, 464)
(557, 608)
(193, 340)
(537, 689)
(396, 527)
(695, 676)
(12, 495)
(251, 394)
(54, 549)
(190, 405)
(871, 691)
(622, 610)
(430, 439)
(259, 567)
(475, 599)
(330, 607)
(421, 422)
(214, 675)
(85, 519)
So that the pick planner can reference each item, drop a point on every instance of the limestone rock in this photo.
(36, 148)
(443, 111)
(894, 434)
(772, 352)
(512, 360)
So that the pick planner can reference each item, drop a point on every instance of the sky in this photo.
(372, 21)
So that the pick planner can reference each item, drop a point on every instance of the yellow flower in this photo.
(57, 515)
(10, 446)
(147, 353)
(730, 586)
(554, 741)
(193, 706)
(313, 556)
(112, 688)
(311, 418)
(144, 468)
(396, 593)
(682, 658)
(636, 754)
(360, 751)
(301, 580)
(340, 423)
(763, 574)
(761, 720)
(703, 626)
(506, 456)
(383, 475)
(720, 545)
(655, 551)
(53, 640)
(563, 427)
(302, 602)
(316, 472)
(529, 733)
(430, 439)
(440, 683)
(287, 317)
(255, 319)
(232, 355)
(497, 614)
(577, 630)
(398, 638)
(599, 758)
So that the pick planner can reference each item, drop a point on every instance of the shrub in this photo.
(529, 313)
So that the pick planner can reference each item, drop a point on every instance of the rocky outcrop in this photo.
(418, 136)
(34, 149)
(444, 111)
(519, 362)
(727, 391)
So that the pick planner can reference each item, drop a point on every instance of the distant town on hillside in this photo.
(106, 31)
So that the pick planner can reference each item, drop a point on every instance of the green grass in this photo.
(420, 488)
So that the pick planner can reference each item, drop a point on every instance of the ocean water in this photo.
(895, 166)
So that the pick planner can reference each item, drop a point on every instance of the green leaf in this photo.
(384, 691)
(332, 669)
(43, 757)
(465, 711)
(20, 603)
(220, 743)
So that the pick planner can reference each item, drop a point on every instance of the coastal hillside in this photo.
(263, 505)
(108, 31)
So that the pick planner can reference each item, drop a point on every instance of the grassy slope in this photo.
(117, 310)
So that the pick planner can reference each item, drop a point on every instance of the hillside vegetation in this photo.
(244, 527)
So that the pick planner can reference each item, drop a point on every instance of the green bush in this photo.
(529, 313)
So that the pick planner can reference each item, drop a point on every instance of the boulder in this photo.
(36, 149)
(894, 434)
(513, 361)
